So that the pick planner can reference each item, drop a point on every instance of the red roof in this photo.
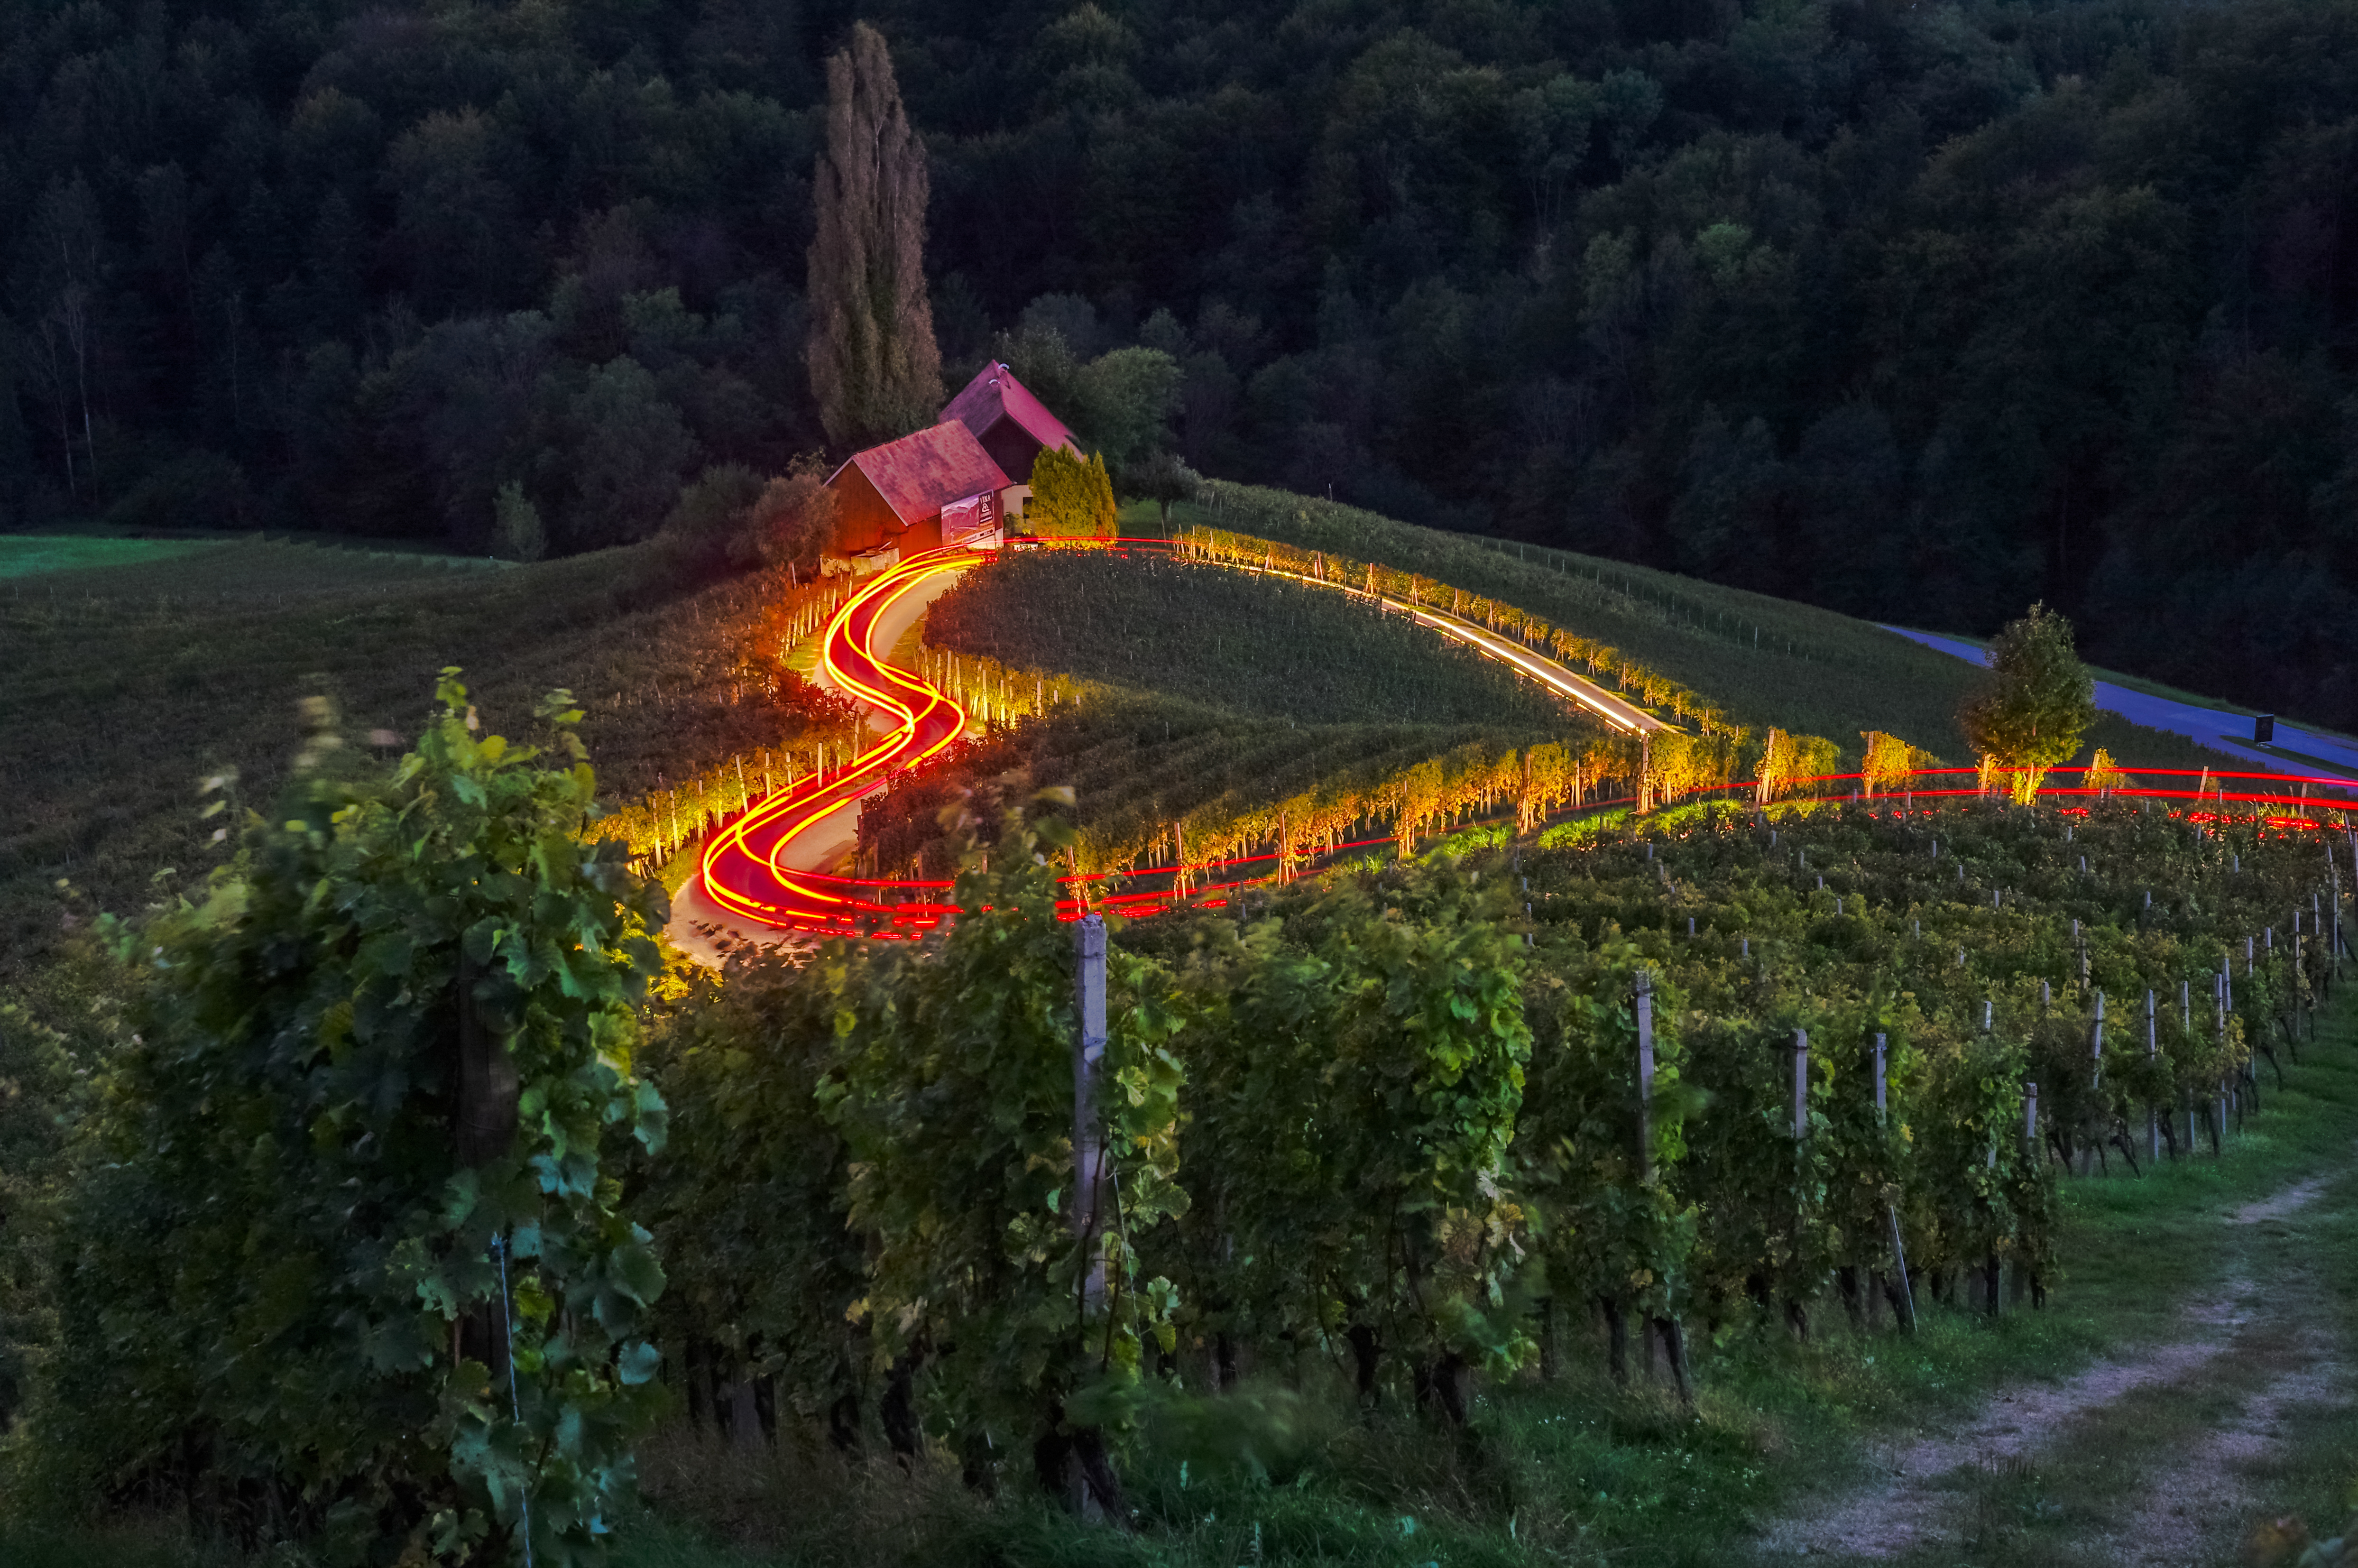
(918, 475)
(995, 394)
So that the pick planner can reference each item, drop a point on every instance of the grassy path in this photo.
(2228, 1400)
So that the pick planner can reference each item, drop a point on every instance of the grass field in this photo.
(129, 684)
(25, 555)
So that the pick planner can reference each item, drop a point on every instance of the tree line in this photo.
(1905, 310)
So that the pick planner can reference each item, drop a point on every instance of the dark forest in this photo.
(1921, 311)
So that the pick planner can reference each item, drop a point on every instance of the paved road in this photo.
(2216, 728)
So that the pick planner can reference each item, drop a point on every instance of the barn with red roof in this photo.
(1013, 425)
(938, 486)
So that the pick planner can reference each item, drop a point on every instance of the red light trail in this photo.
(744, 868)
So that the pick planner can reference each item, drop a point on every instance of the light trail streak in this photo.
(1627, 718)
(744, 872)
(745, 868)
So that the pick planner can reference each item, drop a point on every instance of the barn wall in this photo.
(924, 535)
(1010, 446)
(862, 521)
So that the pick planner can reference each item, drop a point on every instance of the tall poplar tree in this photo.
(874, 362)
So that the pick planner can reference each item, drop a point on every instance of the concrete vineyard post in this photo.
(2221, 984)
(1088, 1056)
(2152, 1114)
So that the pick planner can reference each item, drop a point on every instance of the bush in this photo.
(516, 530)
(1072, 497)
(341, 1259)
(792, 522)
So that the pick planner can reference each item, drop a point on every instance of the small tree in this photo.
(516, 530)
(1125, 402)
(2104, 774)
(793, 521)
(706, 534)
(2038, 701)
(1163, 479)
(1071, 496)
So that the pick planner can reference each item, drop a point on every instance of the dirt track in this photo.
(2157, 1458)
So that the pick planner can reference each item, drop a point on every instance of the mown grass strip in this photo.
(28, 555)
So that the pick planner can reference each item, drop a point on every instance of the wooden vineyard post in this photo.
(1904, 1299)
(1088, 1056)
(2096, 1081)
(1664, 1325)
(1794, 1312)
(488, 1099)
(1646, 1074)
(2152, 1113)
(1801, 1086)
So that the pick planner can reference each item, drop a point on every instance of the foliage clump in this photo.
(931, 1266)
(517, 534)
(1072, 497)
(2040, 699)
(343, 1257)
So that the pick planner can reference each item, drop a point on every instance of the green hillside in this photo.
(129, 684)
(1262, 649)
(1207, 697)
(1769, 661)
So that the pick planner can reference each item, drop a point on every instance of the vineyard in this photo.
(1203, 713)
(1649, 1107)
(1400, 1134)
(1435, 1094)
(1262, 649)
